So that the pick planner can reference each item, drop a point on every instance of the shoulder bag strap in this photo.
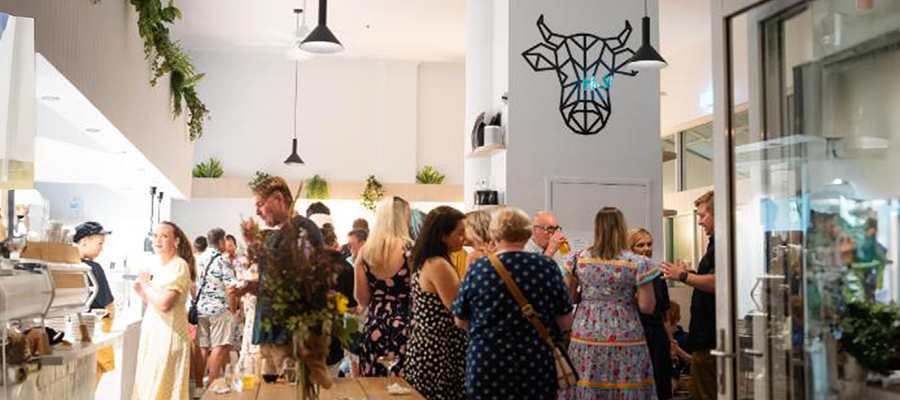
(527, 309)
(203, 282)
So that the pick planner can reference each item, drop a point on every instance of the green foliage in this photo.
(316, 188)
(871, 334)
(167, 57)
(209, 169)
(429, 176)
(258, 177)
(372, 194)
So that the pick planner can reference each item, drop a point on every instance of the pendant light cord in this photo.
(645, 8)
(296, 89)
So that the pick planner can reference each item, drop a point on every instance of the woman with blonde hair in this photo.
(506, 357)
(164, 353)
(608, 347)
(640, 241)
(478, 235)
(382, 285)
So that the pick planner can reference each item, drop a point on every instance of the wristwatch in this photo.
(682, 277)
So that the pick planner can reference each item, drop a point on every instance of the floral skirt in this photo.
(611, 371)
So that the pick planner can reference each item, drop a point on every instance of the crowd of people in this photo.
(436, 307)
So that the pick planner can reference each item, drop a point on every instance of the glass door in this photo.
(811, 192)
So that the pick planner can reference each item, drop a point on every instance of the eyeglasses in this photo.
(549, 228)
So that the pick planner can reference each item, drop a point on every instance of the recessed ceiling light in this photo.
(92, 130)
(50, 98)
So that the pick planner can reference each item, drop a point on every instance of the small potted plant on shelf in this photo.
(258, 176)
(372, 194)
(316, 188)
(429, 176)
(209, 169)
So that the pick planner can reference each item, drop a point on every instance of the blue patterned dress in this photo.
(506, 357)
(608, 347)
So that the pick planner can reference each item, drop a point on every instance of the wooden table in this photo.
(343, 389)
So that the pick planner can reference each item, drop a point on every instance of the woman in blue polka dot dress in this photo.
(506, 357)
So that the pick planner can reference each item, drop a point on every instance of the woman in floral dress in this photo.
(608, 346)
(382, 285)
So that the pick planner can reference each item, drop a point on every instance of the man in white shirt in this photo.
(546, 239)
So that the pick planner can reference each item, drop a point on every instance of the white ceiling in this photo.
(683, 23)
(428, 30)
(75, 143)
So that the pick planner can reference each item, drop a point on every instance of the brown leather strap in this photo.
(527, 309)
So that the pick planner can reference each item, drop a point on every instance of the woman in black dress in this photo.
(435, 354)
(640, 241)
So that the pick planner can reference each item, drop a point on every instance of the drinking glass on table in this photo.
(389, 360)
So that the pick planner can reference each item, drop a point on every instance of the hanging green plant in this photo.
(316, 188)
(258, 177)
(429, 176)
(167, 57)
(209, 169)
(372, 194)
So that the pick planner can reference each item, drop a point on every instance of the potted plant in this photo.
(870, 332)
(372, 194)
(258, 176)
(316, 188)
(429, 176)
(209, 169)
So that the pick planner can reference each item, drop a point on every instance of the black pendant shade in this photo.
(294, 158)
(321, 40)
(647, 56)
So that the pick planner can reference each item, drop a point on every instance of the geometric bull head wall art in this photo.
(585, 65)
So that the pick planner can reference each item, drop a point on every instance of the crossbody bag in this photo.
(193, 316)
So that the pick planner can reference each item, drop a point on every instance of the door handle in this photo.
(753, 353)
(723, 357)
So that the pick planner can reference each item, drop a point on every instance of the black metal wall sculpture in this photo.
(585, 65)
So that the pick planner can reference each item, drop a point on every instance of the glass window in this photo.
(697, 156)
(670, 171)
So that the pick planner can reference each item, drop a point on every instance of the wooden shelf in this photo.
(487, 150)
(413, 192)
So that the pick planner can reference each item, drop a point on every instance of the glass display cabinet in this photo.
(807, 190)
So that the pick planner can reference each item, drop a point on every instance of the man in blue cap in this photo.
(89, 237)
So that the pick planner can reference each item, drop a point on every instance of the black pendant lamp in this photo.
(294, 158)
(321, 40)
(646, 56)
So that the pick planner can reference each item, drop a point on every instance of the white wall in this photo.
(487, 78)
(441, 118)
(356, 117)
(541, 145)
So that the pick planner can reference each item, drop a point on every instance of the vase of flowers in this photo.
(299, 286)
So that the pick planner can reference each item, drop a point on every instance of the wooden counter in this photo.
(343, 389)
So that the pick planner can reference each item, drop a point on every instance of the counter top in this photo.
(63, 355)
(343, 389)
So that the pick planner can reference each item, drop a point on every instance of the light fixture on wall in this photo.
(321, 40)
(646, 56)
(294, 158)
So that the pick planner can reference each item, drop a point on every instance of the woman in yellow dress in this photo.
(163, 366)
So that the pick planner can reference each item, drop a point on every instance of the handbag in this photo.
(193, 316)
(565, 371)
